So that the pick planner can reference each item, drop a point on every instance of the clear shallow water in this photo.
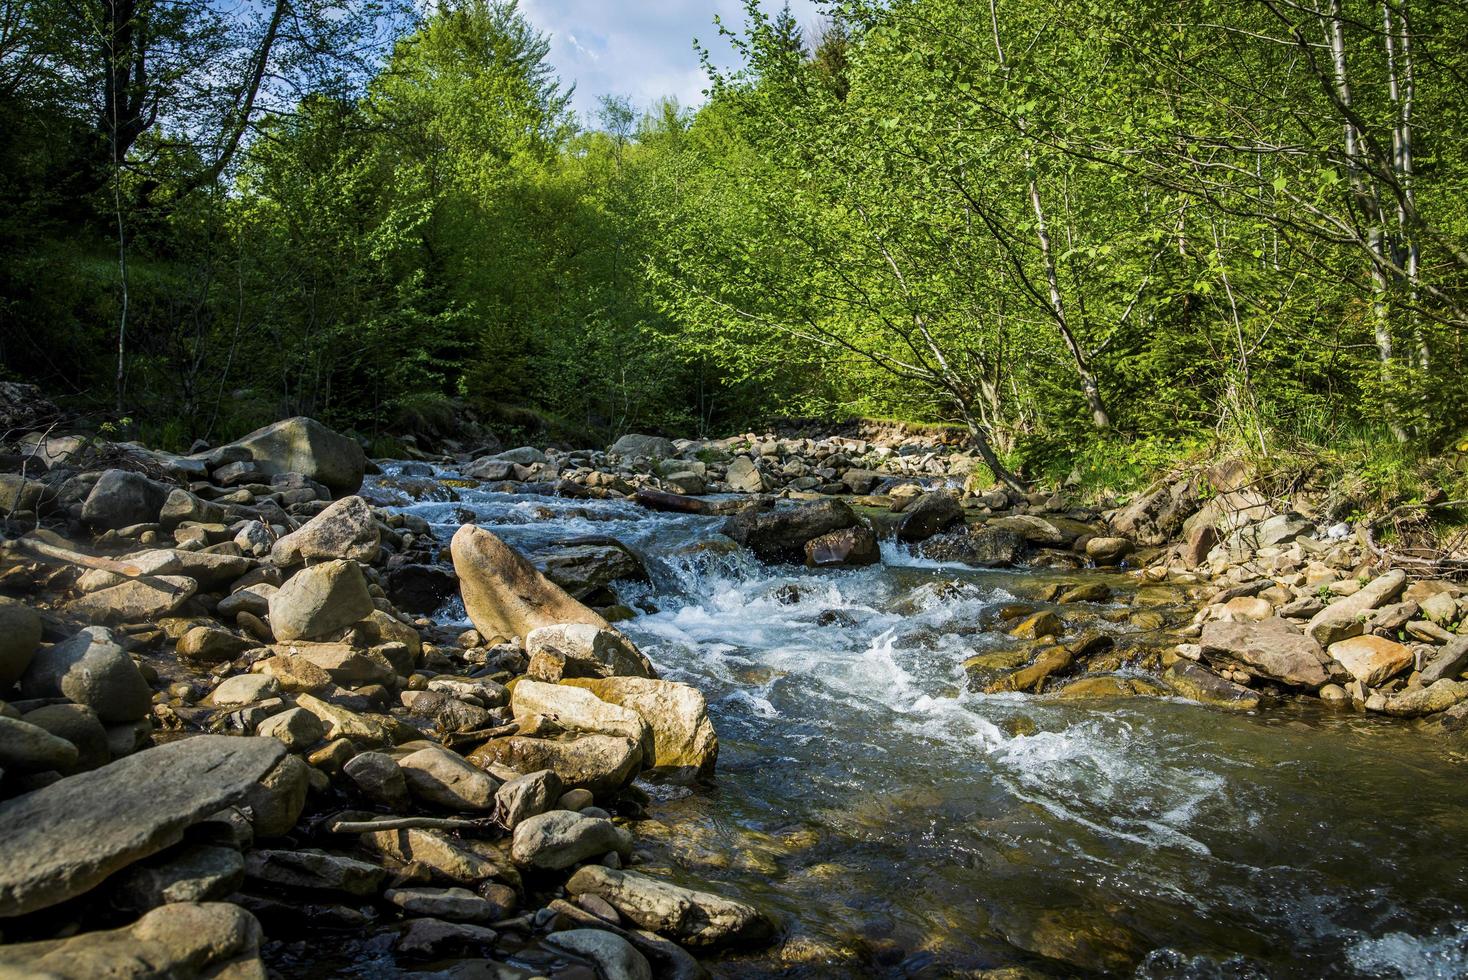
(899, 825)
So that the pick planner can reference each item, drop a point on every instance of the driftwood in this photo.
(31, 548)
(409, 823)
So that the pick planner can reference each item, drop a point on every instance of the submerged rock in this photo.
(694, 918)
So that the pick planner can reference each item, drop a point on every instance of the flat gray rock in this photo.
(63, 840)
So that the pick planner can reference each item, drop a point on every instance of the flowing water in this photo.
(899, 825)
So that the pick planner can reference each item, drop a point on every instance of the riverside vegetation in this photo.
(350, 627)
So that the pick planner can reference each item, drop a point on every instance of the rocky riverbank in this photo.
(233, 649)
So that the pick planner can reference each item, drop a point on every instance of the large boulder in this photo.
(682, 734)
(693, 918)
(1271, 648)
(849, 547)
(1345, 617)
(587, 566)
(560, 838)
(504, 595)
(1371, 659)
(639, 445)
(319, 600)
(1156, 517)
(345, 529)
(580, 650)
(60, 841)
(602, 764)
(180, 940)
(20, 634)
(577, 709)
(303, 445)
(92, 669)
(121, 498)
(935, 511)
(780, 534)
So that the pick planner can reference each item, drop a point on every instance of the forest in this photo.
(1095, 235)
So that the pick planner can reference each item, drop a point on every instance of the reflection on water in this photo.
(900, 825)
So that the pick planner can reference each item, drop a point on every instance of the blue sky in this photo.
(641, 50)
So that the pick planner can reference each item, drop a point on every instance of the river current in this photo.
(899, 825)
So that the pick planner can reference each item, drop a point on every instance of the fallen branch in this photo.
(409, 823)
(51, 552)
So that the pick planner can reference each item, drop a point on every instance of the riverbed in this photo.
(899, 825)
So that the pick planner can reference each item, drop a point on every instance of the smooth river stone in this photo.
(63, 840)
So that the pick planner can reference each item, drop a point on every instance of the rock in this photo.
(1448, 662)
(1343, 618)
(189, 873)
(207, 645)
(121, 498)
(178, 941)
(297, 674)
(1157, 517)
(441, 777)
(847, 548)
(314, 869)
(346, 665)
(683, 736)
(1372, 660)
(1200, 540)
(463, 862)
(341, 723)
(183, 506)
(490, 470)
(780, 534)
(1272, 648)
(504, 595)
(744, 476)
(1107, 686)
(1334, 694)
(927, 515)
(210, 570)
(276, 801)
(377, 776)
(656, 447)
(30, 748)
(1038, 625)
(1440, 608)
(90, 669)
(615, 957)
(1051, 660)
(525, 796)
(345, 529)
(296, 728)
(1087, 592)
(1437, 696)
(56, 842)
(693, 918)
(677, 503)
(1198, 683)
(577, 709)
(454, 904)
(447, 712)
(433, 938)
(20, 634)
(135, 600)
(1276, 530)
(582, 650)
(559, 839)
(1246, 609)
(587, 566)
(80, 726)
(979, 545)
(303, 445)
(600, 763)
(243, 689)
(418, 588)
(319, 600)
(1108, 551)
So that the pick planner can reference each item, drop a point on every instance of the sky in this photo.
(643, 50)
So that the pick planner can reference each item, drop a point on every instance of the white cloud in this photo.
(641, 50)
